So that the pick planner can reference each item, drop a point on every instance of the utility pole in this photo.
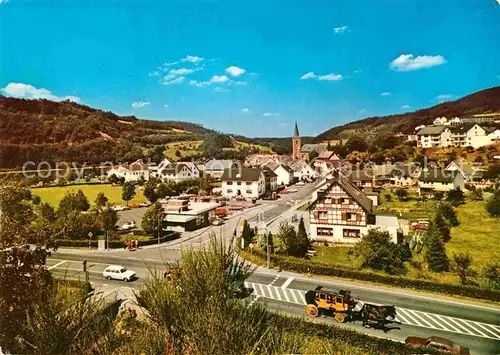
(269, 235)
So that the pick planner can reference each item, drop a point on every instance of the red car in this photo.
(283, 192)
(438, 343)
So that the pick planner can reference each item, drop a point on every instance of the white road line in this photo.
(56, 265)
(261, 289)
(474, 328)
(277, 290)
(401, 319)
(80, 270)
(288, 282)
(460, 325)
(286, 295)
(301, 299)
(421, 318)
(293, 295)
(409, 315)
(268, 289)
(488, 329)
(443, 319)
(435, 322)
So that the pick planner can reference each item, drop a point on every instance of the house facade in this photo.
(302, 171)
(463, 135)
(177, 172)
(270, 182)
(132, 172)
(432, 180)
(283, 172)
(343, 214)
(248, 183)
(215, 167)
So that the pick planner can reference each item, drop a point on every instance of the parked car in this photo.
(144, 204)
(438, 343)
(292, 190)
(283, 192)
(128, 225)
(118, 272)
(300, 183)
(119, 208)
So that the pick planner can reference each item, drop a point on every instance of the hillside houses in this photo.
(463, 135)
(136, 171)
(441, 180)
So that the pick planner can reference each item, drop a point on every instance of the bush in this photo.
(493, 205)
(305, 267)
(492, 274)
(456, 197)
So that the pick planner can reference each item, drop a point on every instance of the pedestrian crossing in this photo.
(404, 316)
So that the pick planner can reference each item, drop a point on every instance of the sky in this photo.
(250, 67)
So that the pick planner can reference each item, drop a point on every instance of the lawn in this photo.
(412, 209)
(338, 255)
(185, 148)
(52, 195)
(477, 234)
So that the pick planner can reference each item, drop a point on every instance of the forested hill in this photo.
(43, 130)
(482, 102)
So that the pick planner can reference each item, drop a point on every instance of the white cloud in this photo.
(445, 97)
(309, 75)
(140, 104)
(407, 62)
(327, 77)
(245, 110)
(331, 77)
(340, 29)
(385, 93)
(155, 73)
(270, 114)
(360, 112)
(219, 79)
(26, 91)
(168, 64)
(216, 79)
(235, 71)
(166, 105)
(170, 79)
(192, 59)
(405, 107)
(181, 71)
(357, 71)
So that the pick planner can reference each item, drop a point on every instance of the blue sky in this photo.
(250, 67)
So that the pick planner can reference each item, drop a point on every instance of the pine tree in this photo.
(302, 239)
(437, 260)
(441, 224)
(446, 210)
(493, 205)
(247, 234)
(270, 242)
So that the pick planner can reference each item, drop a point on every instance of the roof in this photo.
(386, 221)
(241, 174)
(219, 164)
(466, 169)
(307, 148)
(268, 173)
(437, 175)
(296, 131)
(328, 155)
(299, 165)
(406, 171)
(360, 175)
(431, 130)
(173, 168)
(341, 180)
(138, 166)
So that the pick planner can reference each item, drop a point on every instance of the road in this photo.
(469, 324)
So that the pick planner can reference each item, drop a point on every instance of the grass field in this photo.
(477, 234)
(52, 195)
(411, 209)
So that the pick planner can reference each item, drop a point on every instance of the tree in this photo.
(456, 197)
(441, 224)
(73, 202)
(463, 262)
(402, 194)
(165, 189)
(476, 195)
(101, 200)
(152, 221)
(270, 242)
(150, 191)
(247, 234)
(314, 154)
(492, 274)
(356, 143)
(107, 219)
(157, 154)
(303, 242)
(178, 153)
(446, 210)
(128, 191)
(36, 199)
(388, 197)
(436, 257)
(113, 179)
(47, 212)
(377, 251)
(294, 244)
(77, 225)
(493, 204)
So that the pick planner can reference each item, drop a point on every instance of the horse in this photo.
(377, 314)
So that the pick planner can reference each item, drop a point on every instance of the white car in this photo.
(128, 225)
(300, 183)
(218, 222)
(119, 208)
(144, 204)
(118, 272)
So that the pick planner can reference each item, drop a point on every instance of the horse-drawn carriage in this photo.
(343, 307)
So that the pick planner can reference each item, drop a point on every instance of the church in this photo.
(303, 152)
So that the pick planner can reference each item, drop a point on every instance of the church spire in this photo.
(296, 131)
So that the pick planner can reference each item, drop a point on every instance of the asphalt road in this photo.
(472, 325)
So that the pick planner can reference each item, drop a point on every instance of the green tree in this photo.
(157, 154)
(493, 204)
(107, 219)
(77, 225)
(303, 242)
(36, 199)
(101, 200)
(113, 179)
(47, 212)
(270, 242)
(150, 191)
(152, 221)
(293, 244)
(73, 202)
(463, 262)
(446, 210)
(128, 191)
(456, 197)
(313, 155)
(378, 252)
(492, 273)
(247, 234)
(476, 195)
(356, 143)
(436, 257)
(402, 194)
(441, 224)
(165, 189)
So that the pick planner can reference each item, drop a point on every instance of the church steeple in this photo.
(296, 131)
(296, 143)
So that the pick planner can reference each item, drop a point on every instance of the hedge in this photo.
(367, 343)
(115, 244)
(304, 266)
(85, 286)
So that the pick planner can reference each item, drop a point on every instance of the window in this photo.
(248, 191)
(238, 183)
(329, 298)
(324, 232)
(321, 296)
(351, 216)
(249, 183)
(328, 200)
(339, 300)
(229, 191)
(351, 233)
(322, 214)
(229, 182)
(345, 201)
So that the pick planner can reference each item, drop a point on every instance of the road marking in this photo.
(275, 279)
(288, 282)
(488, 330)
(56, 265)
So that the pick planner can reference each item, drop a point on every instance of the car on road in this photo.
(292, 190)
(218, 222)
(118, 272)
(300, 183)
(119, 208)
(144, 204)
(438, 343)
(128, 225)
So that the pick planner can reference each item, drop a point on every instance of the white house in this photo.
(245, 182)
(133, 172)
(431, 180)
(215, 167)
(464, 135)
(177, 172)
(284, 173)
(341, 213)
(465, 169)
(433, 136)
(302, 170)
(404, 175)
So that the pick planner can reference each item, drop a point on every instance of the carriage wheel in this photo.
(340, 317)
(312, 310)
